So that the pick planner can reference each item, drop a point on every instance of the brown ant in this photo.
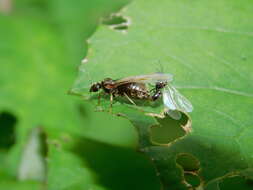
(133, 87)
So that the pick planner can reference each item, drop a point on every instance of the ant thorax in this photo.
(108, 85)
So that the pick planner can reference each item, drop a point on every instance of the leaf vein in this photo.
(220, 89)
(206, 28)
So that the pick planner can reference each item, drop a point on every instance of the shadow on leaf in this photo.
(117, 167)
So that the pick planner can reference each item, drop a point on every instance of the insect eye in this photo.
(95, 87)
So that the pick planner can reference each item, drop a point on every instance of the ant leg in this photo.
(156, 95)
(152, 90)
(130, 100)
(100, 94)
(99, 97)
(111, 101)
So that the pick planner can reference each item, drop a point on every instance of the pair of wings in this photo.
(174, 102)
(151, 78)
(172, 99)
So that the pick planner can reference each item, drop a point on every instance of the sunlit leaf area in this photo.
(126, 95)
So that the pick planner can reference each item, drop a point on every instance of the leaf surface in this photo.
(207, 46)
(41, 44)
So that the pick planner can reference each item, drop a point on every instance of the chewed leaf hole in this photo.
(190, 166)
(168, 130)
(188, 162)
(116, 22)
(192, 179)
(123, 27)
(7, 129)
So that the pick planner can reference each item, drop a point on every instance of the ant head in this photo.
(108, 84)
(160, 85)
(95, 87)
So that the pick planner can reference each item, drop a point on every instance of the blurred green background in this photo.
(41, 45)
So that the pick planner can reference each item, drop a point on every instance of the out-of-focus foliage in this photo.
(41, 45)
(207, 45)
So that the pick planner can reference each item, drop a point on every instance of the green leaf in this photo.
(34, 84)
(236, 182)
(207, 46)
(14, 185)
(41, 44)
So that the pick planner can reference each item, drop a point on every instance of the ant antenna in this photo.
(159, 66)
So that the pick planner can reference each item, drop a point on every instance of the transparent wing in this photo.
(151, 78)
(173, 100)
(174, 114)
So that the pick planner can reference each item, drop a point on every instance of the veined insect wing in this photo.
(174, 114)
(175, 101)
(150, 78)
(183, 103)
(168, 99)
